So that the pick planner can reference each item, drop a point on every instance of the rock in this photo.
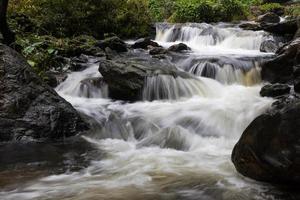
(179, 47)
(269, 148)
(268, 46)
(287, 27)
(157, 51)
(29, 108)
(253, 26)
(126, 79)
(143, 43)
(280, 69)
(296, 73)
(79, 63)
(297, 85)
(275, 90)
(50, 79)
(113, 43)
(269, 17)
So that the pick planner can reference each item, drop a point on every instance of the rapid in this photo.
(176, 142)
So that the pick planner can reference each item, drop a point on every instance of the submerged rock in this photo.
(126, 79)
(275, 90)
(144, 43)
(179, 47)
(281, 68)
(29, 108)
(269, 148)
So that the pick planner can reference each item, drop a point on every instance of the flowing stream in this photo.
(175, 147)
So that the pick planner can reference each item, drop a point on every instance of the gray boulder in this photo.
(29, 108)
(126, 79)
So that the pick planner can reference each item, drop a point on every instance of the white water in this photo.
(177, 148)
(212, 40)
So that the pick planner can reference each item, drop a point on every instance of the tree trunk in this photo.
(8, 35)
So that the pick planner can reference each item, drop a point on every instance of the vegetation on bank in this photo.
(47, 29)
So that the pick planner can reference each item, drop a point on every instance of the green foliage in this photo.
(161, 9)
(293, 10)
(270, 7)
(208, 11)
(67, 18)
(42, 52)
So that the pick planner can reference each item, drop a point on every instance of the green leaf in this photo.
(31, 63)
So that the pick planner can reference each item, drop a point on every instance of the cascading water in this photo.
(175, 148)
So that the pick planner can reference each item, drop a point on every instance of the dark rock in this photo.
(50, 79)
(269, 148)
(157, 51)
(126, 80)
(297, 85)
(280, 69)
(296, 71)
(275, 90)
(269, 17)
(113, 43)
(143, 43)
(179, 47)
(287, 27)
(29, 108)
(268, 46)
(253, 26)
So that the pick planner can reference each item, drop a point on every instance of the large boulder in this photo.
(269, 17)
(281, 68)
(287, 27)
(126, 79)
(29, 108)
(269, 148)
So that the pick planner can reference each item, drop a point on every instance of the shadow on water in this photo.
(22, 163)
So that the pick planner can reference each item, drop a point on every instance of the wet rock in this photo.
(126, 79)
(275, 90)
(269, 17)
(253, 26)
(157, 51)
(143, 43)
(50, 79)
(269, 148)
(297, 85)
(29, 108)
(287, 27)
(113, 43)
(280, 69)
(179, 47)
(268, 46)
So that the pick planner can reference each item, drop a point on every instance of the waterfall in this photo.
(199, 36)
(168, 87)
(176, 142)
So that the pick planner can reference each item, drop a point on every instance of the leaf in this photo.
(31, 63)
(51, 51)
